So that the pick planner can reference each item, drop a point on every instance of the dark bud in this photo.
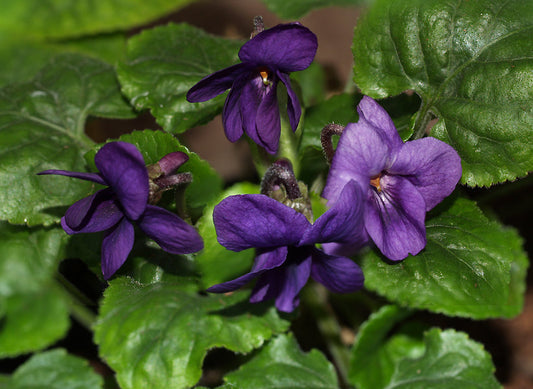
(325, 137)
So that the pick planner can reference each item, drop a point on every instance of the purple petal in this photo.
(372, 113)
(253, 93)
(294, 111)
(231, 114)
(215, 84)
(245, 221)
(265, 261)
(170, 232)
(94, 177)
(116, 247)
(361, 154)
(171, 162)
(342, 223)
(432, 166)
(122, 166)
(288, 47)
(103, 215)
(338, 274)
(285, 282)
(267, 121)
(394, 218)
(79, 214)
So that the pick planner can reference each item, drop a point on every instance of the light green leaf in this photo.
(42, 127)
(471, 267)
(471, 63)
(63, 19)
(295, 9)
(281, 364)
(216, 263)
(55, 369)
(451, 360)
(164, 63)
(157, 335)
(401, 358)
(33, 311)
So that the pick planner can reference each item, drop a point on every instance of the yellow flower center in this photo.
(264, 73)
(374, 181)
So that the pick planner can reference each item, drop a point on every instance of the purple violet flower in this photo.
(400, 181)
(114, 209)
(252, 104)
(285, 242)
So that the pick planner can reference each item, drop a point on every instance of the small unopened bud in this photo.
(325, 138)
(259, 26)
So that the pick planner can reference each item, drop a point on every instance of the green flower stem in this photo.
(78, 303)
(288, 145)
(422, 121)
(315, 297)
(259, 157)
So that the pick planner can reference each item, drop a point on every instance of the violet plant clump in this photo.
(367, 201)
(126, 201)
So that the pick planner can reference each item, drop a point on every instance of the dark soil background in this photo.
(510, 342)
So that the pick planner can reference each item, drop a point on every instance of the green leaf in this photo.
(384, 357)
(471, 63)
(22, 59)
(60, 19)
(216, 263)
(42, 127)
(154, 145)
(281, 364)
(55, 369)
(471, 267)
(451, 360)
(164, 63)
(312, 84)
(33, 311)
(157, 335)
(295, 9)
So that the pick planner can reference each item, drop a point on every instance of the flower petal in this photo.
(394, 218)
(374, 115)
(338, 274)
(231, 114)
(432, 166)
(266, 260)
(103, 215)
(170, 232)
(116, 247)
(215, 84)
(342, 223)
(94, 177)
(172, 161)
(288, 47)
(80, 214)
(267, 121)
(284, 283)
(122, 166)
(361, 154)
(245, 221)
(253, 92)
(294, 111)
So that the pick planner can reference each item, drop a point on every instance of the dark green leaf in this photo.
(471, 267)
(55, 369)
(164, 63)
(157, 335)
(60, 19)
(42, 127)
(295, 9)
(215, 262)
(22, 59)
(471, 63)
(384, 357)
(312, 84)
(281, 364)
(33, 312)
